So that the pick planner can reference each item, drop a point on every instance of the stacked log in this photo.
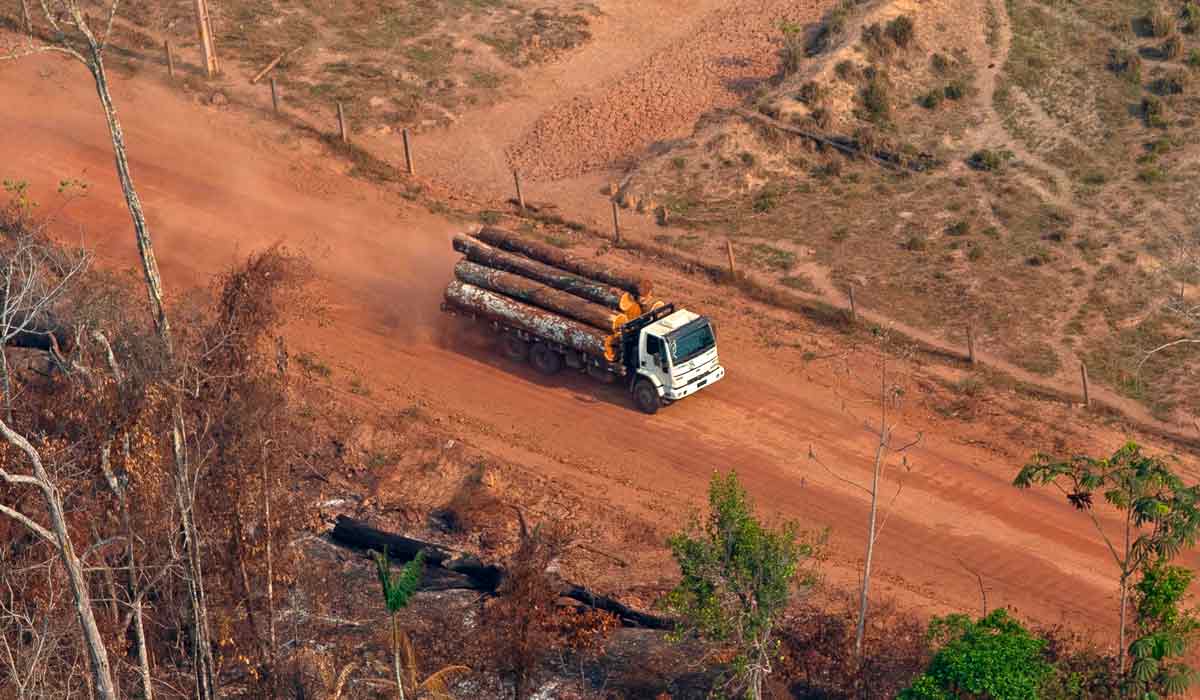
(541, 323)
(599, 292)
(563, 260)
(540, 295)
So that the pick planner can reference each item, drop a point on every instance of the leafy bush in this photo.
(1191, 17)
(1151, 175)
(931, 99)
(1172, 48)
(989, 160)
(812, 93)
(939, 63)
(847, 70)
(875, 40)
(995, 658)
(1165, 632)
(738, 575)
(958, 228)
(915, 243)
(1193, 58)
(1126, 62)
(793, 47)
(1162, 22)
(902, 30)
(1154, 112)
(955, 90)
(876, 99)
(1174, 83)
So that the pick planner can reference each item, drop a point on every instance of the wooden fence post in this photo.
(204, 24)
(732, 260)
(341, 114)
(1087, 389)
(520, 197)
(971, 343)
(616, 221)
(853, 304)
(408, 159)
(274, 96)
(170, 58)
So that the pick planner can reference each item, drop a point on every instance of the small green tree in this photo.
(995, 658)
(737, 576)
(1165, 633)
(1160, 512)
(397, 591)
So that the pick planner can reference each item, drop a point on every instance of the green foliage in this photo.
(901, 30)
(1154, 112)
(20, 204)
(1165, 633)
(955, 90)
(995, 658)
(931, 99)
(989, 160)
(398, 589)
(737, 576)
(876, 99)
(793, 47)
(1126, 62)
(1162, 508)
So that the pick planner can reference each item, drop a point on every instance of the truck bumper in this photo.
(696, 384)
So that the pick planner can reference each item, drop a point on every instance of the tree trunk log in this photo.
(538, 294)
(357, 534)
(479, 252)
(548, 254)
(540, 323)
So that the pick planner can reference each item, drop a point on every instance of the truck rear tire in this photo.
(514, 348)
(544, 359)
(645, 397)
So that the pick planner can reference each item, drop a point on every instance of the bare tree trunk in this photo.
(1125, 572)
(139, 633)
(60, 537)
(866, 582)
(7, 378)
(26, 18)
(202, 648)
(396, 657)
(270, 569)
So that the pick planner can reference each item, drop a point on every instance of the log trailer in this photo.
(555, 310)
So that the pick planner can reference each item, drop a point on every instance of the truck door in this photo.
(653, 360)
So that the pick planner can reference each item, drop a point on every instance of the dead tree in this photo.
(884, 433)
(74, 37)
(1185, 311)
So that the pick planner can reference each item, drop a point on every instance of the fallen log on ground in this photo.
(479, 252)
(563, 260)
(541, 295)
(358, 535)
(541, 323)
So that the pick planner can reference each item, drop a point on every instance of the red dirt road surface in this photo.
(217, 185)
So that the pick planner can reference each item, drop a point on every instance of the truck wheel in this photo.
(544, 359)
(645, 397)
(515, 348)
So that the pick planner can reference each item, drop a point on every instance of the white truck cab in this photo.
(677, 356)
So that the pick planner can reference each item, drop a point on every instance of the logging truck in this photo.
(556, 310)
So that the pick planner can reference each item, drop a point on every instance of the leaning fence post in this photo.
(170, 58)
(971, 343)
(274, 96)
(341, 114)
(408, 159)
(853, 304)
(616, 221)
(520, 197)
(732, 260)
(1087, 389)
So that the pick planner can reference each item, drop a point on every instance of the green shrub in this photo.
(1172, 48)
(1154, 112)
(876, 42)
(812, 93)
(958, 228)
(902, 30)
(956, 90)
(793, 47)
(1151, 175)
(847, 70)
(1191, 17)
(876, 99)
(1126, 63)
(1162, 23)
(931, 99)
(993, 658)
(747, 158)
(989, 160)
(939, 63)
(974, 252)
(1174, 83)
(679, 162)
(1193, 58)
(915, 243)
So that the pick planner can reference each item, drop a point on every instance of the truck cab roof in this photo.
(677, 320)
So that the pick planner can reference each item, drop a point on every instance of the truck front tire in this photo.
(545, 359)
(645, 397)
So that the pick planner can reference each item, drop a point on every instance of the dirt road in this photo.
(217, 185)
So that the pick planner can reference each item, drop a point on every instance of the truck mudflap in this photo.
(712, 377)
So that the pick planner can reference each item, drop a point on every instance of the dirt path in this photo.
(217, 185)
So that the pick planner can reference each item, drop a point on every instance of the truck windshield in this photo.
(694, 339)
